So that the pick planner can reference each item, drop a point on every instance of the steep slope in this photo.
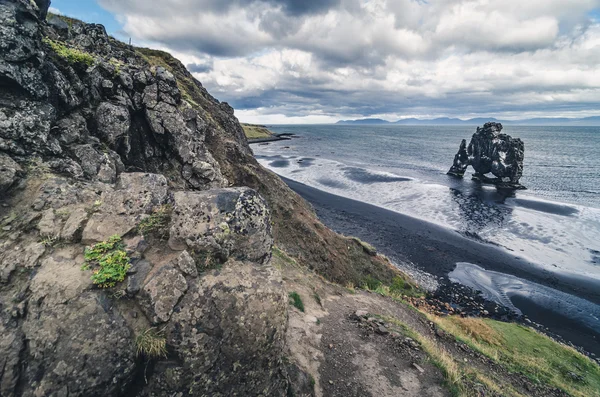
(135, 250)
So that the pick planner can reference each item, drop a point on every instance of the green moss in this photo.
(296, 300)
(72, 55)
(109, 262)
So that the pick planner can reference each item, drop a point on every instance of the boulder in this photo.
(161, 293)
(119, 210)
(222, 223)
(113, 122)
(9, 172)
(490, 151)
(229, 325)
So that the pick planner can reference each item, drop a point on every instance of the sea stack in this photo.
(490, 151)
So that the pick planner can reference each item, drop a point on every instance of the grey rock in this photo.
(113, 121)
(136, 280)
(73, 227)
(11, 344)
(9, 172)
(58, 24)
(490, 151)
(222, 223)
(75, 338)
(48, 225)
(70, 129)
(382, 330)
(20, 257)
(43, 6)
(218, 331)
(119, 209)
(161, 293)
(187, 264)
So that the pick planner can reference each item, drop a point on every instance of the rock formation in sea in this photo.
(491, 151)
(136, 227)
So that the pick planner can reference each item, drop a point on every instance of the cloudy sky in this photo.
(292, 61)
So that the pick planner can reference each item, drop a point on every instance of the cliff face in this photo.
(122, 151)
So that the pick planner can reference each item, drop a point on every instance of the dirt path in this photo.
(346, 358)
(350, 356)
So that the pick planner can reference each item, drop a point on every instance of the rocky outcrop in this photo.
(490, 151)
(99, 139)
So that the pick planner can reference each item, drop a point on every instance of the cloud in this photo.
(204, 67)
(358, 58)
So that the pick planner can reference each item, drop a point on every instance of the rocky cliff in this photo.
(136, 226)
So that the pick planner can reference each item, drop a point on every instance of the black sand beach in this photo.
(436, 250)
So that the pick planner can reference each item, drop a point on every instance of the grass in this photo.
(254, 131)
(72, 55)
(398, 289)
(109, 261)
(367, 248)
(459, 379)
(51, 241)
(296, 300)
(157, 223)
(526, 351)
(151, 344)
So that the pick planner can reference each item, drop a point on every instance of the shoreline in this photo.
(436, 250)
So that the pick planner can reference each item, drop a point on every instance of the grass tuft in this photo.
(51, 241)
(296, 300)
(151, 344)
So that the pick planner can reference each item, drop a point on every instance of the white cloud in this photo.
(286, 60)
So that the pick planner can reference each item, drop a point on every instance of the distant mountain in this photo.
(548, 121)
(364, 121)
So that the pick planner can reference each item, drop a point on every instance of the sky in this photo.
(319, 61)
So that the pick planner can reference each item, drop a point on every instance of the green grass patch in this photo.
(254, 131)
(296, 300)
(460, 379)
(109, 262)
(156, 223)
(72, 55)
(523, 350)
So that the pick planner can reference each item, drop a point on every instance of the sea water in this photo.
(555, 223)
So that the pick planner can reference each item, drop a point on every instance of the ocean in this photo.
(554, 224)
